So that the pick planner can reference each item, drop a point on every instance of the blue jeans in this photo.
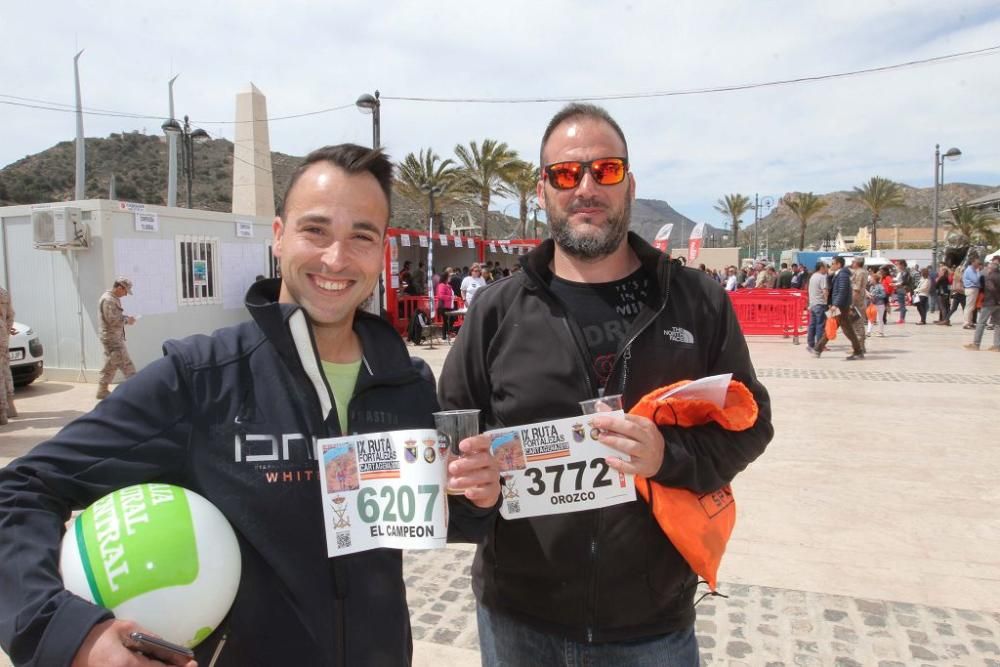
(901, 303)
(986, 313)
(817, 320)
(505, 642)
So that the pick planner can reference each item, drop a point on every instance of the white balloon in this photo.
(139, 553)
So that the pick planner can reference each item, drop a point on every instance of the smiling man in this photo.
(235, 416)
(596, 309)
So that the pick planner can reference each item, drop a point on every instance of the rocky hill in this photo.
(843, 213)
(139, 163)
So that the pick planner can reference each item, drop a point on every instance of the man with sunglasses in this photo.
(597, 310)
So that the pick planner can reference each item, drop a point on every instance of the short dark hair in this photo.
(839, 260)
(353, 159)
(820, 264)
(578, 109)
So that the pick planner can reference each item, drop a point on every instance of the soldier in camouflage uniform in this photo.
(7, 409)
(113, 321)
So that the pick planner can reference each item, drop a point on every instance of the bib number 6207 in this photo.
(576, 471)
(397, 504)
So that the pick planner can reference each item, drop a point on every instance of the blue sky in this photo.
(688, 150)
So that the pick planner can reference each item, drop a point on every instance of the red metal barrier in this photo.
(767, 312)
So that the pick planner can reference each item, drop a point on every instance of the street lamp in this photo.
(765, 202)
(431, 193)
(368, 104)
(951, 154)
(188, 139)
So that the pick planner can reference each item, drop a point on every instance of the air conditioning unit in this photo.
(58, 228)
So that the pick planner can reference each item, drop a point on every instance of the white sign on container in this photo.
(244, 229)
(147, 222)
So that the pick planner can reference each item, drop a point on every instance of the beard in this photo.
(594, 245)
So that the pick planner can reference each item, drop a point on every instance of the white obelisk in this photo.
(81, 161)
(253, 182)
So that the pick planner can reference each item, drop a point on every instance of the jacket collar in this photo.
(385, 359)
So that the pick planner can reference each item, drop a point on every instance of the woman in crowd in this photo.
(890, 289)
(880, 297)
(942, 290)
(445, 297)
(922, 294)
(957, 292)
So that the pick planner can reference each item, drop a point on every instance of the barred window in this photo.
(198, 277)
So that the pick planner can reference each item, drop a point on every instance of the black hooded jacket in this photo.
(609, 574)
(234, 417)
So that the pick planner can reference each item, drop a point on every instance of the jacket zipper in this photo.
(583, 358)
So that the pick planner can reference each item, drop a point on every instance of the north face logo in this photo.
(679, 335)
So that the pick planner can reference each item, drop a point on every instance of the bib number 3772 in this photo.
(557, 467)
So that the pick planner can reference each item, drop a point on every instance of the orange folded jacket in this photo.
(699, 526)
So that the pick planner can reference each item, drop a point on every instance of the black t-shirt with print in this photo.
(603, 311)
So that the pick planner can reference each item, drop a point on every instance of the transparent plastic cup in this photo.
(601, 404)
(455, 426)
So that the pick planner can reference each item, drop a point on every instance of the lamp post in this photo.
(431, 193)
(765, 202)
(951, 154)
(188, 139)
(368, 104)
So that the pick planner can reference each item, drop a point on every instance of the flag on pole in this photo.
(662, 240)
(694, 242)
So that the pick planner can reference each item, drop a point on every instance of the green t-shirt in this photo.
(342, 378)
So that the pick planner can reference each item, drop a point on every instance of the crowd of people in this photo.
(759, 275)
(862, 299)
(453, 288)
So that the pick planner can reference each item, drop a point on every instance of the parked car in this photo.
(25, 352)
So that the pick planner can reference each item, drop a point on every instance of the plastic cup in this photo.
(601, 404)
(455, 426)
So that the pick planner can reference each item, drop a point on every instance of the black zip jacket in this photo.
(232, 416)
(610, 574)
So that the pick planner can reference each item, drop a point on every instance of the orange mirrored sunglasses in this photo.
(604, 171)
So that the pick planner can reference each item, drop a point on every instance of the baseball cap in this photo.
(124, 282)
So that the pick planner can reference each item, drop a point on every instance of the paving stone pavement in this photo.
(754, 626)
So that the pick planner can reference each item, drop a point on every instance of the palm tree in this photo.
(877, 195)
(427, 173)
(485, 171)
(975, 225)
(734, 206)
(523, 182)
(803, 206)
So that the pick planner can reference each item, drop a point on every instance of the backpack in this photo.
(415, 332)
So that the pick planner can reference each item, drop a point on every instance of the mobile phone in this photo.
(160, 649)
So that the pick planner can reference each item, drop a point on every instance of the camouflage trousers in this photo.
(6, 380)
(115, 358)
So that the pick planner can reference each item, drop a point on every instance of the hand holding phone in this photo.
(159, 649)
